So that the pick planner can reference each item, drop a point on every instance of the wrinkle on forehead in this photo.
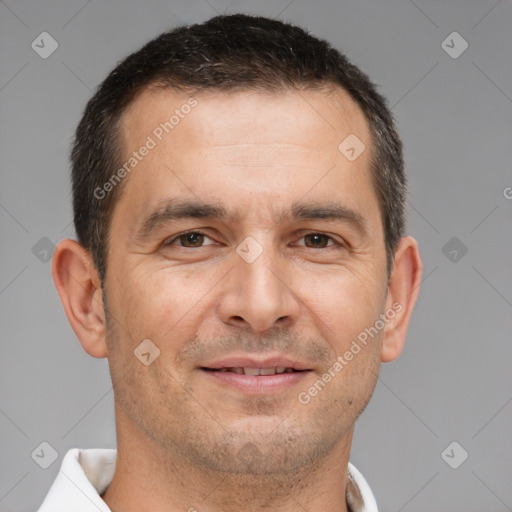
(264, 155)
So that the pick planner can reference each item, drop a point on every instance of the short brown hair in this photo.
(231, 52)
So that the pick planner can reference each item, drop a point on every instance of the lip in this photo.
(260, 384)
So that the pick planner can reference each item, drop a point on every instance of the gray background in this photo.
(453, 381)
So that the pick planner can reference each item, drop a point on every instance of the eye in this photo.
(190, 239)
(318, 241)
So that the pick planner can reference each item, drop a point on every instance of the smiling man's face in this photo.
(245, 240)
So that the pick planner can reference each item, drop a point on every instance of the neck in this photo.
(148, 478)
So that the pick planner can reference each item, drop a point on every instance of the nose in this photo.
(258, 295)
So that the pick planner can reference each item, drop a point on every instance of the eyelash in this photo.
(169, 241)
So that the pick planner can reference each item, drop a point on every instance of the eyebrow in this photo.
(178, 209)
(329, 211)
(175, 209)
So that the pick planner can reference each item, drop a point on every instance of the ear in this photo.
(78, 285)
(403, 289)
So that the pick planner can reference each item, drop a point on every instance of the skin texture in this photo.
(185, 440)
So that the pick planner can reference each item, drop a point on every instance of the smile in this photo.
(254, 371)
(255, 381)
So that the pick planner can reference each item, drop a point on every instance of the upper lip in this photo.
(254, 362)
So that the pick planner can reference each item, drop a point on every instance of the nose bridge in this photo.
(263, 282)
(257, 294)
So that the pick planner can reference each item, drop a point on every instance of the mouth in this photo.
(239, 370)
(255, 377)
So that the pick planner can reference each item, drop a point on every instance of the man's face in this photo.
(268, 285)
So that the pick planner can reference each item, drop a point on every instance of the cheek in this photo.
(166, 306)
(346, 302)
(155, 302)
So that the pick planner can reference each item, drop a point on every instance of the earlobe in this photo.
(79, 289)
(403, 289)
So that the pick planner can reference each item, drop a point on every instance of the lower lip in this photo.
(260, 384)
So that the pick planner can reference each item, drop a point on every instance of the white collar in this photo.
(85, 474)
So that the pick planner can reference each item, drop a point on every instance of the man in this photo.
(239, 196)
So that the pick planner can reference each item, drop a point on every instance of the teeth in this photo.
(261, 371)
(257, 371)
(251, 371)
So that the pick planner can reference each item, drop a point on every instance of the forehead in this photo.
(244, 149)
(332, 111)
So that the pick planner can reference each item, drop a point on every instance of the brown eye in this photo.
(192, 239)
(317, 240)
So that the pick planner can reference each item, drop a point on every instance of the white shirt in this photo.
(85, 475)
